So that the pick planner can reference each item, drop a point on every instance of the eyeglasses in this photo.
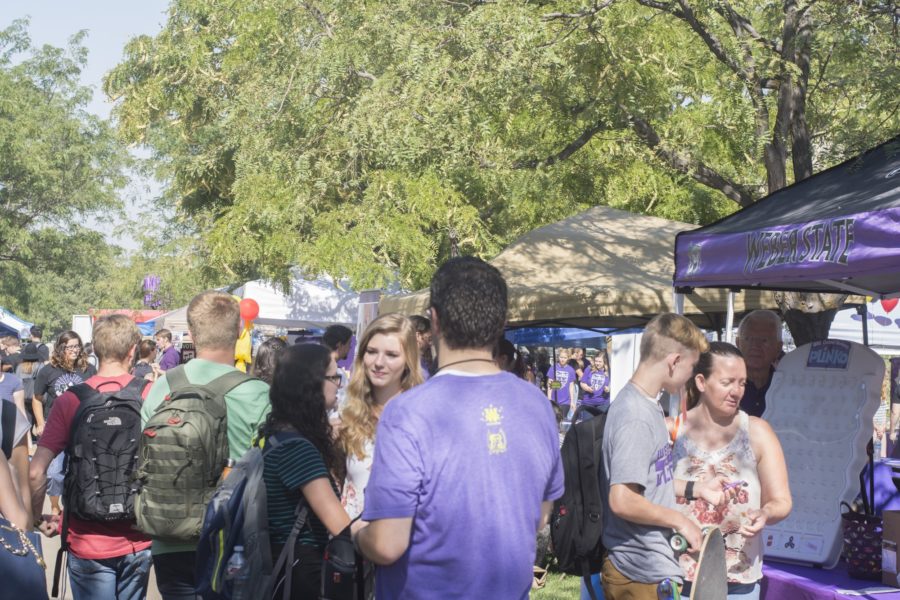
(335, 379)
(72, 347)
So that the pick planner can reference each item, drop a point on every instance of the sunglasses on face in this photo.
(335, 379)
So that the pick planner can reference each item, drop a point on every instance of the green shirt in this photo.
(287, 468)
(247, 406)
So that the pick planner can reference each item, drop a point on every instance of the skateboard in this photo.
(711, 576)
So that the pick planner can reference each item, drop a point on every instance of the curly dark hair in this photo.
(60, 359)
(298, 402)
(469, 297)
(266, 359)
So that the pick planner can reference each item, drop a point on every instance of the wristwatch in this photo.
(689, 491)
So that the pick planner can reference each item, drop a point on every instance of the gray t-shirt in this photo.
(636, 450)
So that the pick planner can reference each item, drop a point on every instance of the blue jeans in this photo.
(736, 591)
(120, 578)
(595, 583)
(55, 475)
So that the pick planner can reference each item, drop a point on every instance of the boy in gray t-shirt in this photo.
(638, 470)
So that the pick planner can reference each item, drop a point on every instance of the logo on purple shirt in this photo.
(664, 467)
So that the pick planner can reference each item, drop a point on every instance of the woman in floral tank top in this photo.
(718, 439)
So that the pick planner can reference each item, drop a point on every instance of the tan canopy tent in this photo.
(603, 268)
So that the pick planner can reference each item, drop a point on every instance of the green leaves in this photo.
(353, 139)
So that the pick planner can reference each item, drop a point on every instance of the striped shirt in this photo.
(287, 468)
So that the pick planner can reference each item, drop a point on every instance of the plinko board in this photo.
(821, 403)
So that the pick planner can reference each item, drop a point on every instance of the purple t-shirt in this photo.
(170, 358)
(563, 376)
(470, 459)
(598, 381)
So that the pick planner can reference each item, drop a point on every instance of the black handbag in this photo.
(21, 563)
(346, 575)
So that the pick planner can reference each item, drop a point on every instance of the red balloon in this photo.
(249, 309)
(888, 305)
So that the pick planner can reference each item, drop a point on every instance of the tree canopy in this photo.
(58, 165)
(365, 139)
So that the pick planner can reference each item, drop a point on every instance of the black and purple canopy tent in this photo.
(838, 231)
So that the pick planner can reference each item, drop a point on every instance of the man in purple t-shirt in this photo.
(466, 465)
(169, 356)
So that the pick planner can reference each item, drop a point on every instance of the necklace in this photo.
(640, 387)
(459, 362)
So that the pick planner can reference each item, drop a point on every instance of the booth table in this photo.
(782, 581)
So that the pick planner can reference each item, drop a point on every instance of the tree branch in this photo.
(319, 16)
(566, 152)
(585, 12)
(697, 170)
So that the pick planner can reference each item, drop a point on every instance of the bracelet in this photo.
(689, 491)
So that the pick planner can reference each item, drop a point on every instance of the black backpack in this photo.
(100, 459)
(576, 524)
(102, 453)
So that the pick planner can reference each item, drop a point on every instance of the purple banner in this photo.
(838, 248)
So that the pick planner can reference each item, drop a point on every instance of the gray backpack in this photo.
(183, 450)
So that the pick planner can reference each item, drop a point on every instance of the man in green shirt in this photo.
(214, 322)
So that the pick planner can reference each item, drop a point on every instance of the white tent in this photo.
(311, 303)
(884, 327)
(175, 321)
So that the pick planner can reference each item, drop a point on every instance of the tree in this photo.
(354, 139)
(58, 165)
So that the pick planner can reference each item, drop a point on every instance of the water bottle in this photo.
(236, 574)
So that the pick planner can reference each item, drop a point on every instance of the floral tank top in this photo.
(737, 462)
(358, 470)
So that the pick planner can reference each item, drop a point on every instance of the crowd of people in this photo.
(437, 449)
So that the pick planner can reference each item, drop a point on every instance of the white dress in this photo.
(358, 471)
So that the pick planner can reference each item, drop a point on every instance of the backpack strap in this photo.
(286, 558)
(177, 378)
(8, 423)
(223, 384)
(220, 386)
(301, 512)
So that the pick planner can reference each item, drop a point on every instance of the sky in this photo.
(110, 24)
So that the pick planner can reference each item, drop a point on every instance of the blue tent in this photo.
(10, 324)
(556, 336)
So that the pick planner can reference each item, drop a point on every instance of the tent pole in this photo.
(729, 318)
(863, 311)
(678, 301)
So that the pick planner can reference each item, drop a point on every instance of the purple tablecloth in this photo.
(791, 582)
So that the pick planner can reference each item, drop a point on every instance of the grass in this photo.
(559, 587)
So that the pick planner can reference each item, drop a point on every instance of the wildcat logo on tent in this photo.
(694, 259)
(827, 241)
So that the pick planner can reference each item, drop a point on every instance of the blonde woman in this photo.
(386, 363)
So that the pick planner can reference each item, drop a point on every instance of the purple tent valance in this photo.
(836, 231)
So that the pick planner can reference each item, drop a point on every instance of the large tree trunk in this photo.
(809, 316)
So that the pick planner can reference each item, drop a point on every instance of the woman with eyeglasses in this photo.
(302, 462)
(387, 363)
(68, 366)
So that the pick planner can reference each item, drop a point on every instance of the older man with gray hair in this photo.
(759, 340)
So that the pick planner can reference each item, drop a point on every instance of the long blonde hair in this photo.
(359, 417)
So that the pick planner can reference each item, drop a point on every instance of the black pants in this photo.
(175, 575)
(306, 573)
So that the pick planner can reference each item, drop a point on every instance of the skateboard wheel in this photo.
(678, 542)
